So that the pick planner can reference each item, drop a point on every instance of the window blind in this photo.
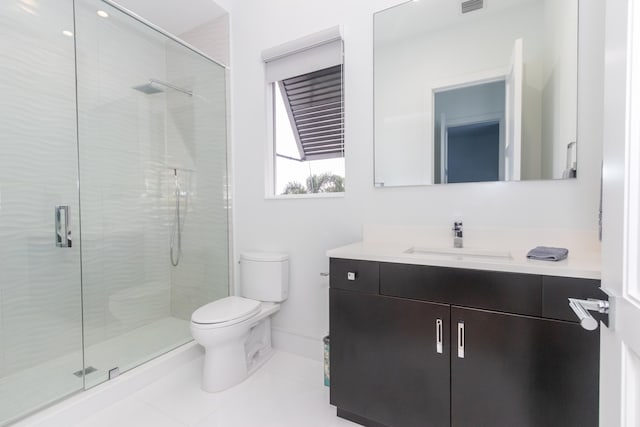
(308, 72)
(304, 55)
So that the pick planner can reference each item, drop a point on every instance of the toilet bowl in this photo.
(236, 331)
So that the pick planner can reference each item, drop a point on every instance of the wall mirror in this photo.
(477, 90)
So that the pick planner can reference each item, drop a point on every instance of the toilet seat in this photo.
(225, 312)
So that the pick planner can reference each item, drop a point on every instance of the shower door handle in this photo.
(62, 232)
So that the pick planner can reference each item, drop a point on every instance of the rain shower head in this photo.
(148, 89)
(152, 87)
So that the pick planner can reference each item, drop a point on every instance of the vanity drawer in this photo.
(557, 290)
(354, 275)
(492, 290)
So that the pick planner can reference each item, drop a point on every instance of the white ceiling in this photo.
(174, 16)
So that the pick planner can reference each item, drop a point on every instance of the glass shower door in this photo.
(40, 296)
(152, 150)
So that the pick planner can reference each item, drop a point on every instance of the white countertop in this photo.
(583, 260)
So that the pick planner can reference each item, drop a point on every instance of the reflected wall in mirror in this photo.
(488, 94)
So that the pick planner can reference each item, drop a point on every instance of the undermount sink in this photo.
(460, 253)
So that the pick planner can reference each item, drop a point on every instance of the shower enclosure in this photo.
(113, 202)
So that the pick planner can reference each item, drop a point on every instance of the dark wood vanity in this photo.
(416, 345)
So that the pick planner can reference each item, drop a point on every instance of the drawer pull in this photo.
(439, 336)
(351, 275)
(461, 339)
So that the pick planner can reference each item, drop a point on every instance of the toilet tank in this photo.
(264, 276)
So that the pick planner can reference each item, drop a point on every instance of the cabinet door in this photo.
(522, 371)
(385, 362)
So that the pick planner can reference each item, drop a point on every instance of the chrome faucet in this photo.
(457, 234)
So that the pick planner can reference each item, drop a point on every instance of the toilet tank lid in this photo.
(264, 256)
(225, 309)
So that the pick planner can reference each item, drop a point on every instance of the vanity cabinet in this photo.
(386, 364)
(522, 371)
(509, 353)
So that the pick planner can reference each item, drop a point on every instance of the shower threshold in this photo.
(23, 391)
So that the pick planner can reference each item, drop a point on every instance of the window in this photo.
(307, 111)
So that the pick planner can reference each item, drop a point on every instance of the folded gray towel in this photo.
(545, 253)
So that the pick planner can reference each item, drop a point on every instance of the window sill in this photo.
(306, 196)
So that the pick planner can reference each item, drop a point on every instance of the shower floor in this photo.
(48, 382)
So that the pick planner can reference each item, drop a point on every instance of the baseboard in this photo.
(80, 406)
(293, 342)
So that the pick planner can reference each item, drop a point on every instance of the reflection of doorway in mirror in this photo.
(495, 97)
(470, 132)
(472, 153)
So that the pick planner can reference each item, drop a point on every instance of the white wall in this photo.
(307, 228)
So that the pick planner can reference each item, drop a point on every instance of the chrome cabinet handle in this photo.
(461, 339)
(62, 233)
(439, 336)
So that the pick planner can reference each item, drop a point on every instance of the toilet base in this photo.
(258, 345)
(231, 361)
(224, 366)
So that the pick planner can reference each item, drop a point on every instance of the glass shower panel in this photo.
(40, 305)
(196, 150)
(152, 132)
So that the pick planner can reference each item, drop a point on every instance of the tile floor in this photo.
(286, 392)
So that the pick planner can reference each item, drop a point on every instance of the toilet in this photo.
(236, 331)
